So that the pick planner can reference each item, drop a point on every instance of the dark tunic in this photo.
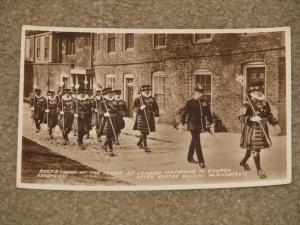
(253, 136)
(39, 104)
(84, 115)
(152, 110)
(122, 111)
(197, 115)
(67, 119)
(112, 108)
(98, 118)
(52, 117)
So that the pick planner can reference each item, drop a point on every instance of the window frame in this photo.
(107, 44)
(206, 40)
(70, 50)
(159, 46)
(203, 72)
(48, 47)
(124, 42)
(110, 76)
(164, 75)
(38, 48)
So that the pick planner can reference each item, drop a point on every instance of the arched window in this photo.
(203, 77)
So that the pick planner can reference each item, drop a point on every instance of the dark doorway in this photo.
(128, 95)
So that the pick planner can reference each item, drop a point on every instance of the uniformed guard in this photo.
(122, 112)
(255, 114)
(83, 110)
(98, 115)
(147, 111)
(52, 111)
(109, 109)
(89, 95)
(197, 114)
(38, 106)
(66, 114)
(74, 126)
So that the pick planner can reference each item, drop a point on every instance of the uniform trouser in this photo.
(108, 141)
(143, 138)
(80, 137)
(195, 145)
(38, 123)
(65, 132)
(256, 157)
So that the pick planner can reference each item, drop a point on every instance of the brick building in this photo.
(57, 58)
(174, 63)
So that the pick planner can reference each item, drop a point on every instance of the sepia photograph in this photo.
(154, 109)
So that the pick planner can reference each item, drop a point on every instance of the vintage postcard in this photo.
(154, 109)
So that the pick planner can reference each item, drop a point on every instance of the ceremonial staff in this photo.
(62, 108)
(112, 126)
(240, 79)
(95, 93)
(142, 102)
(76, 115)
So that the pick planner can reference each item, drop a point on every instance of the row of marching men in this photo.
(104, 109)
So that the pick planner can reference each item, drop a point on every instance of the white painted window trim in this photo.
(203, 72)
(124, 43)
(206, 40)
(107, 52)
(254, 65)
(160, 46)
(127, 75)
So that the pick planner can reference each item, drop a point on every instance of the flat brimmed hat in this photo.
(66, 90)
(117, 92)
(50, 92)
(37, 89)
(146, 87)
(257, 86)
(106, 90)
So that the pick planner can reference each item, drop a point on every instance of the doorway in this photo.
(128, 93)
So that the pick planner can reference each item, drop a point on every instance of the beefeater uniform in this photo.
(38, 107)
(122, 112)
(52, 111)
(253, 138)
(83, 111)
(197, 115)
(109, 105)
(89, 95)
(98, 117)
(145, 117)
(66, 114)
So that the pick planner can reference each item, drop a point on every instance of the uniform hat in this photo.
(66, 90)
(106, 90)
(37, 89)
(117, 92)
(50, 91)
(256, 86)
(146, 87)
(98, 92)
(199, 88)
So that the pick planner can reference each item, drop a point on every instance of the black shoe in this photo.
(193, 161)
(245, 165)
(81, 146)
(99, 139)
(117, 143)
(202, 165)
(104, 148)
(261, 174)
(139, 144)
(51, 136)
(146, 149)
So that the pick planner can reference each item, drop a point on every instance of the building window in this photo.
(159, 88)
(203, 78)
(38, 48)
(202, 38)
(159, 40)
(111, 43)
(254, 72)
(110, 81)
(129, 41)
(46, 47)
(70, 46)
(98, 42)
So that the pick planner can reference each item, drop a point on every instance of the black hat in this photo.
(37, 89)
(98, 92)
(199, 88)
(106, 90)
(146, 87)
(117, 92)
(66, 90)
(256, 86)
(50, 91)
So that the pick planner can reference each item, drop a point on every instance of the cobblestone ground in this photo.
(166, 163)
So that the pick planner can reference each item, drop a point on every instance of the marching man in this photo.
(255, 134)
(147, 111)
(195, 113)
(98, 115)
(51, 111)
(82, 115)
(109, 109)
(122, 112)
(37, 107)
(66, 114)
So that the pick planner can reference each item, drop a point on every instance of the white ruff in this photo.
(110, 99)
(258, 97)
(66, 99)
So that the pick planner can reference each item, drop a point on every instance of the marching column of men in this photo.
(79, 111)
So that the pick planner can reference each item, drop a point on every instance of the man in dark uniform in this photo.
(52, 111)
(82, 115)
(255, 133)
(147, 111)
(109, 109)
(122, 112)
(98, 115)
(89, 95)
(196, 113)
(66, 114)
(37, 107)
